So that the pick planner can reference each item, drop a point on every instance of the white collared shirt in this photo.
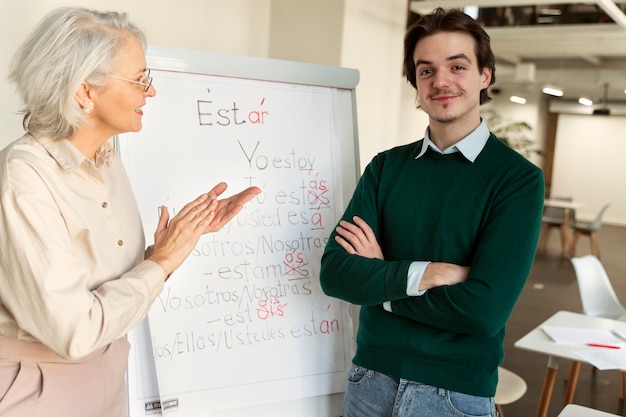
(470, 146)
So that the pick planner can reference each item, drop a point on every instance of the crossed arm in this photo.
(359, 238)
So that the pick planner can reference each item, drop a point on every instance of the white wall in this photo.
(307, 31)
(589, 164)
(373, 33)
(412, 122)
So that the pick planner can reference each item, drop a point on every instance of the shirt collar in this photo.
(70, 158)
(470, 146)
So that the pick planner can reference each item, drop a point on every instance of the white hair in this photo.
(69, 46)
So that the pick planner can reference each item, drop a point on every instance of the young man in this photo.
(437, 241)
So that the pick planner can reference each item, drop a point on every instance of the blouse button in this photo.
(105, 204)
(120, 243)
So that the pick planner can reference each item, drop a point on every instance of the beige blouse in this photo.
(72, 274)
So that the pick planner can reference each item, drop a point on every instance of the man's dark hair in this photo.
(453, 20)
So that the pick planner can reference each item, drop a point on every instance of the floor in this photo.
(552, 287)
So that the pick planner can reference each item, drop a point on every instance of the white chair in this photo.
(588, 229)
(511, 387)
(596, 291)
(573, 410)
(598, 296)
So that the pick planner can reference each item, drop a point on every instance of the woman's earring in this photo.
(87, 110)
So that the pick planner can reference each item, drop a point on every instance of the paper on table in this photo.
(620, 332)
(604, 358)
(580, 335)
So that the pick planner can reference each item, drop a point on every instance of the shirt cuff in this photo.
(416, 272)
(152, 274)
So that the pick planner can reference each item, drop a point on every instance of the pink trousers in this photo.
(34, 381)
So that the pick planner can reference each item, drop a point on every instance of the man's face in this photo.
(448, 79)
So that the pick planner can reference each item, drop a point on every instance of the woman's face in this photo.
(118, 105)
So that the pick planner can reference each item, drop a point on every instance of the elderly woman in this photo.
(74, 277)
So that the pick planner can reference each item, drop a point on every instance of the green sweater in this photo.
(486, 215)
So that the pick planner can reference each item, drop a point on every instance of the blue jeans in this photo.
(372, 394)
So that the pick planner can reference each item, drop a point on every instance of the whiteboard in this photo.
(242, 327)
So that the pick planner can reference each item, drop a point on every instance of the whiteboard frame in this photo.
(345, 81)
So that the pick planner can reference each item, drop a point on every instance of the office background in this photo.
(586, 163)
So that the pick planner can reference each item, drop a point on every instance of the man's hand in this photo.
(358, 238)
(441, 273)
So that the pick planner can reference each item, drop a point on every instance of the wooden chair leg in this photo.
(572, 380)
(564, 239)
(572, 246)
(595, 248)
(499, 410)
(545, 232)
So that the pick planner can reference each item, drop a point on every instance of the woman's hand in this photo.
(358, 238)
(175, 239)
(227, 208)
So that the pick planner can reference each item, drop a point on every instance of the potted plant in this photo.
(516, 134)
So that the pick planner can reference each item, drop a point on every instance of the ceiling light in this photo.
(585, 101)
(553, 91)
(517, 99)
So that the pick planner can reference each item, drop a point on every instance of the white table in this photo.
(569, 207)
(538, 341)
(572, 410)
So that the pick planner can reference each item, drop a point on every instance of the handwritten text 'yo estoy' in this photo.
(290, 161)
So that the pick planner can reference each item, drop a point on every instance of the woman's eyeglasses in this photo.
(145, 80)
